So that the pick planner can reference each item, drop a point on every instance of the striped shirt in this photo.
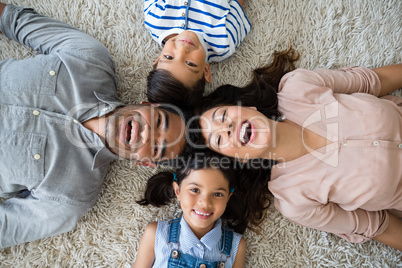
(207, 248)
(221, 25)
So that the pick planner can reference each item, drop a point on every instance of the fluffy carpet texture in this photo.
(327, 33)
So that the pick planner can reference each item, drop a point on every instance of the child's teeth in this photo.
(243, 132)
(202, 214)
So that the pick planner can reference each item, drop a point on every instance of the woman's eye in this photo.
(168, 57)
(223, 116)
(195, 190)
(218, 140)
(218, 195)
(191, 64)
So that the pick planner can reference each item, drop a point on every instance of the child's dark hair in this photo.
(163, 87)
(247, 205)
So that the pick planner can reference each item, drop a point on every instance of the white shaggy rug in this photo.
(328, 33)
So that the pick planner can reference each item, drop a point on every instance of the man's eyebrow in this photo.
(213, 117)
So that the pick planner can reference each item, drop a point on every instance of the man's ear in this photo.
(207, 73)
(176, 188)
(147, 164)
(150, 103)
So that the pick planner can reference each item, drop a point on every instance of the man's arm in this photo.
(2, 6)
(45, 34)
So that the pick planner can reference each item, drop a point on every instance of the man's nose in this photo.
(146, 134)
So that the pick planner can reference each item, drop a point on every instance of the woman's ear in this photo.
(207, 73)
(176, 188)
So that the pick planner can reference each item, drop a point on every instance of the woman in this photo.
(335, 137)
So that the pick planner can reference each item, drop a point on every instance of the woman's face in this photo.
(235, 131)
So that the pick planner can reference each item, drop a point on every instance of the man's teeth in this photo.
(243, 132)
(202, 214)
(131, 132)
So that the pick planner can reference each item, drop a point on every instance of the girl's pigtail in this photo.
(159, 191)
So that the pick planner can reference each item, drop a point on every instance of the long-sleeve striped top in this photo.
(221, 25)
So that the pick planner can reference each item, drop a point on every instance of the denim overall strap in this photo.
(174, 230)
(226, 242)
(179, 260)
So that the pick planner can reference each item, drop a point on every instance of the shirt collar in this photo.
(188, 240)
(104, 156)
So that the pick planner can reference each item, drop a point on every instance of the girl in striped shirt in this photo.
(193, 33)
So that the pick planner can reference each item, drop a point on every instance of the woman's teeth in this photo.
(243, 132)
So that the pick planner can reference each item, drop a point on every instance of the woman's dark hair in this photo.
(262, 90)
(163, 87)
(247, 205)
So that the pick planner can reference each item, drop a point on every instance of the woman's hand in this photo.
(393, 234)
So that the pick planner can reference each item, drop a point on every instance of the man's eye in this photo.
(155, 150)
(168, 57)
(159, 121)
(191, 64)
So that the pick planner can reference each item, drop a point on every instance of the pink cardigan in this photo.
(348, 187)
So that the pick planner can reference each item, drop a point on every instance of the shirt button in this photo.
(400, 146)
(203, 266)
(36, 112)
(344, 143)
(183, 14)
(75, 121)
(52, 73)
(105, 109)
(376, 143)
(182, 26)
(185, 3)
(37, 156)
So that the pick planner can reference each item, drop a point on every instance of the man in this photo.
(61, 125)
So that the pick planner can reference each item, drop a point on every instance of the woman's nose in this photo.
(230, 129)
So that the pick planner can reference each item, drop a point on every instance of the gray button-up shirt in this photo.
(44, 148)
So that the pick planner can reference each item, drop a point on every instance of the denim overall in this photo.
(180, 260)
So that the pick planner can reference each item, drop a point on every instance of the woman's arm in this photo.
(146, 250)
(390, 77)
(240, 255)
(393, 234)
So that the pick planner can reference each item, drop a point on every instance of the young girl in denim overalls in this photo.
(199, 238)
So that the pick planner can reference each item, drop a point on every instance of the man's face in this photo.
(145, 133)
